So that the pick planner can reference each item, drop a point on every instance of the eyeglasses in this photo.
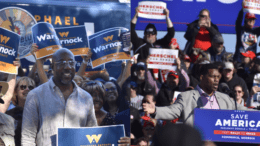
(237, 91)
(150, 33)
(203, 16)
(110, 89)
(63, 63)
(23, 87)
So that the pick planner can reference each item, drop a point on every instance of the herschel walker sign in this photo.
(228, 125)
(9, 43)
(163, 58)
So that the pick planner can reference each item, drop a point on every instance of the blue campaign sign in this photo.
(45, 37)
(107, 46)
(228, 125)
(182, 12)
(9, 42)
(74, 38)
(90, 136)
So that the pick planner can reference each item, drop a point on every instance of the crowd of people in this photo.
(207, 76)
(37, 104)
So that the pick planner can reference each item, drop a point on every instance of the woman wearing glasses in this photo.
(22, 87)
(97, 90)
(114, 101)
(199, 34)
(239, 94)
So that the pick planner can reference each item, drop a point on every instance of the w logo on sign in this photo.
(108, 38)
(64, 34)
(92, 137)
(51, 29)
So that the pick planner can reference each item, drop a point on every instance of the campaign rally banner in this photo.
(74, 38)
(108, 47)
(163, 58)
(252, 6)
(228, 125)
(45, 37)
(9, 43)
(90, 136)
(183, 12)
(152, 9)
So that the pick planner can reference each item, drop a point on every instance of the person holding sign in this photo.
(246, 35)
(56, 103)
(150, 38)
(203, 96)
(199, 35)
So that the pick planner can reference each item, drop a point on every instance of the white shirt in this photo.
(45, 110)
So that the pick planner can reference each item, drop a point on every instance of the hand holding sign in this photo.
(124, 141)
(166, 12)
(17, 62)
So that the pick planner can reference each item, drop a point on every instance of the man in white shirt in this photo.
(56, 103)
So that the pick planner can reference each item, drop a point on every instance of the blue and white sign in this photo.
(89, 136)
(228, 125)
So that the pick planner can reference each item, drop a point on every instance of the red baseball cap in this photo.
(249, 54)
(250, 16)
(187, 58)
(173, 73)
(174, 42)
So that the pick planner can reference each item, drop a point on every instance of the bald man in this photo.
(56, 103)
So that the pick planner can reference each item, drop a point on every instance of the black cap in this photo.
(150, 28)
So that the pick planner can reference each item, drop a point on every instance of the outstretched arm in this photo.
(83, 66)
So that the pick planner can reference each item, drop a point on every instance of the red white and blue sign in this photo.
(228, 125)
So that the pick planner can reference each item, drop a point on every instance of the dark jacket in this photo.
(192, 31)
(214, 57)
(139, 43)
(234, 81)
(165, 95)
(240, 30)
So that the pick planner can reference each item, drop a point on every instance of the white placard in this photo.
(152, 9)
(163, 58)
(252, 6)
(176, 93)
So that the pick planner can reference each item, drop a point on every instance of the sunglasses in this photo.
(237, 91)
(150, 33)
(203, 16)
(23, 87)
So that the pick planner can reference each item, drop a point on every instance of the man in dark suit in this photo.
(203, 96)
